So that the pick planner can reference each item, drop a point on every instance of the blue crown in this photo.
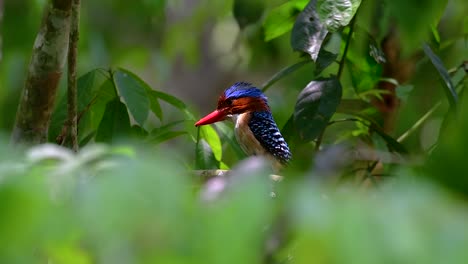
(243, 89)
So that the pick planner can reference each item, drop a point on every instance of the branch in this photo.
(72, 87)
(44, 72)
(348, 40)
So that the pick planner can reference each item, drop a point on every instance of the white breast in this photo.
(246, 138)
(249, 144)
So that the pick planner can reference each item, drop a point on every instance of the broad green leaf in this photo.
(204, 157)
(365, 71)
(247, 12)
(308, 32)
(115, 122)
(174, 101)
(336, 13)
(317, 19)
(227, 136)
(170, 99)
(167, 135)
(283, 73)
(359, 108)
(91, 114)
(138, 132)
(281, 19)
(133, 92)
(209, 134)
(324, 59)
(392, 144)
(154, 104)
(315, 105)
(165, 132)
(449, 89)
(88, 86)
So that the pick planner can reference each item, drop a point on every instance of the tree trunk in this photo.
(72, 85)
(45, 69)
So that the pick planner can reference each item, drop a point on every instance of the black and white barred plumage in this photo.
(267, 133)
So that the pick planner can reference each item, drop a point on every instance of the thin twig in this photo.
(72, 83)
(419, 123)
(348, 40)
(318, 142)
(343, 120)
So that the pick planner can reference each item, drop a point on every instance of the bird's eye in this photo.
(228, 102)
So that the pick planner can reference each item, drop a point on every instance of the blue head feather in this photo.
(243, 89)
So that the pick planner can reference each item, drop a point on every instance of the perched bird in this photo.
(255, 129)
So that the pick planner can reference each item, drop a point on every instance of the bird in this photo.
(255, 129)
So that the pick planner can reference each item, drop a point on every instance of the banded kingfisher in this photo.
(255, 129)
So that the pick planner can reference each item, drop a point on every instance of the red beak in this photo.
(211, 118)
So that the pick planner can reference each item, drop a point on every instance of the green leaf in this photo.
(392, 144)
(174, 101)
(138, 132)
(154, 104)
(209, 134)
(315, 105)
(336, 13)
(365, 71)
(114, 123)
(281, 19)
(91, 115)
(204, 157)
(324, 59)
(133, 92)
(359, 108)
(170, 99)
(167, 135)
(308, 32)
(227, 136)
(449, 89)
(165, 132)
(283, 73)
(88, 86)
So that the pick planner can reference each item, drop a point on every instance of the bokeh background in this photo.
(136, 202)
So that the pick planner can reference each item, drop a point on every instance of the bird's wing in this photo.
(267, 133)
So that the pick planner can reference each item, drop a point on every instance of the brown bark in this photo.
(72, 86)
(44, 72)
